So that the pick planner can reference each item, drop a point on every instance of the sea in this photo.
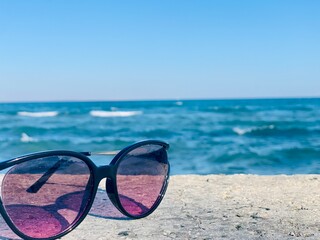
(254, 136)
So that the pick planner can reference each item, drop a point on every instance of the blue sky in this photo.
(120, 50)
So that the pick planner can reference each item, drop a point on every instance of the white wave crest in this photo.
(242, 131)
(26, 138)
(38, 114)
(96, 113)
(179, 103)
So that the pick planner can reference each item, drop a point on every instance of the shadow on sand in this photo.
(101, 208)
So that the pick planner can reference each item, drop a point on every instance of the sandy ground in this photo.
(214, 207)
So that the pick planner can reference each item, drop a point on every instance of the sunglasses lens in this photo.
(43, 197)
(141, 179)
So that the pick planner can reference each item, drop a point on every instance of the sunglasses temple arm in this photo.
(107, 153)
(34, 188)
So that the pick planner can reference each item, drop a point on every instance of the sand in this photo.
(214, 207)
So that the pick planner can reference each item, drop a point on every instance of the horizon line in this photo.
(157, 100)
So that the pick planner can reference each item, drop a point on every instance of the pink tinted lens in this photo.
(43, 197)
(141, 177)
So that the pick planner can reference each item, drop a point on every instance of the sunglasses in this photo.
(46, 195)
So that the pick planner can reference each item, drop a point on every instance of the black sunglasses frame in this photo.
(97, 173)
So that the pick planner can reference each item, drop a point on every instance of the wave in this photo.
(243, 131)
(231, 109)
(26, 138)
(299, 153)
(157, 133)
(271, 130)
(38, 114)
(99, 113)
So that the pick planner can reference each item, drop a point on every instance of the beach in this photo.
(213, 207)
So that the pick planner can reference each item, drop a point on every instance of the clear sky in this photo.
(168, 49)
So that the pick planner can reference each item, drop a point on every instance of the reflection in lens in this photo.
(43, 197)
(141, 176)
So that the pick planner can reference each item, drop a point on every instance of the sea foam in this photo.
(26, 138)
(243, 131)
(38, 114)
(99, 113)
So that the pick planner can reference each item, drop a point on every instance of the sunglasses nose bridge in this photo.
(105, 172)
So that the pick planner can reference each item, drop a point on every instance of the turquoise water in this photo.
(211, 136)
